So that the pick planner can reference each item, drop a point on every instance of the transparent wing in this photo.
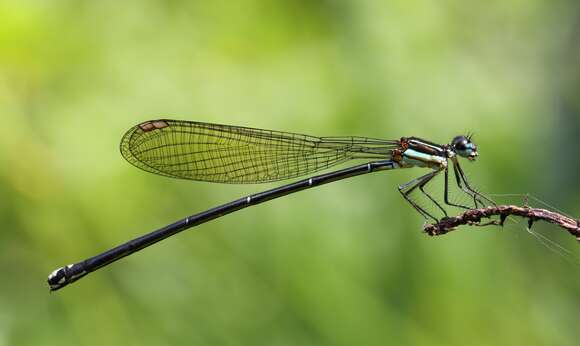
(233, 154)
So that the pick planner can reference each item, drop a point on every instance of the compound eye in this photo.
(461, 145)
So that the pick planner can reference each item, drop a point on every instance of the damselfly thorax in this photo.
(417, 152)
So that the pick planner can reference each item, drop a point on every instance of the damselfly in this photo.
(242, 155)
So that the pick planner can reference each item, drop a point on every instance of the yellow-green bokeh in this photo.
(344, 264)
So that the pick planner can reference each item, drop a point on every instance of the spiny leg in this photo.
(446, 194)
(472, 190)
(459, 178)
(422, 187)
(407, 188)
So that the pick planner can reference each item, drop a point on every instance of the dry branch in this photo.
(474, 217)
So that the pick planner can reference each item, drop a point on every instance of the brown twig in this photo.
(474, 217)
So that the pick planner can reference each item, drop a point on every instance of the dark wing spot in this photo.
(153, 125)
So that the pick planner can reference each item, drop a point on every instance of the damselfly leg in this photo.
(446, 192)
(421, 182)
(466, 187)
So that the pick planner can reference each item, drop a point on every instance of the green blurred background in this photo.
(344, 264)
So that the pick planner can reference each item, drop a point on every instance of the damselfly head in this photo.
(464, 147)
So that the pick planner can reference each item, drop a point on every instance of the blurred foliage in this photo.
(343, 264)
